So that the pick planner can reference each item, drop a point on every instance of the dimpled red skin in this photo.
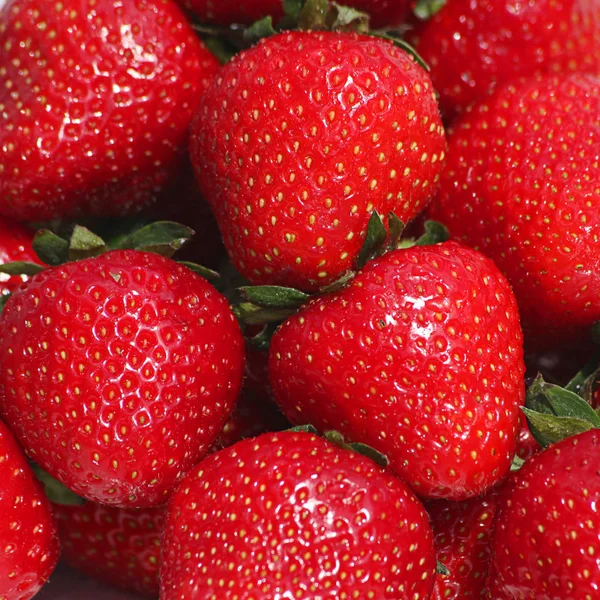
(472, 45)
(118, 372)
(118, 546)
(300, 138)
(420, 357)
(289, 515)
(521, 185)
(29, 542)
(15, 246)
(546, 540)
(96, 100)
(462, 534)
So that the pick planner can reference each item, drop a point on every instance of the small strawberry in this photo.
(290, 515)
(472, 46)
(420, 356)
(117, 372)
(15, 246)
(27, 530)
(522, 186)
(96, 99)
(120, 547)
(300, 138)
(462, 533)
(546, 543)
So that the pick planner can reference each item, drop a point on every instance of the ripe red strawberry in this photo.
(27, 530)
(522, 186)
(15, 246)
(527, 446)
(472, 46)
(290, 515)
(300, 138)
(420, 357)
(120, 547)
(462, 533)
(96, 99)
(117, 373)
(546, 540)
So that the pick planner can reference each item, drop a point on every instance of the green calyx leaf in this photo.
(273, 296)
(250, 314)
(205, 272)
(304, 429)
(375, 238)
(85, 244)
(403, 45)
(517, 463)
(313, 15)
(262, 340)
(435, 233)
(50, 248)
(55, 490)
(346, 18)
(550, 429)
(4, 298)
(335, 437)
(21, 268)
(442, 569)
(396, 227)
(162, 237)
(259, 29)
(425, 9)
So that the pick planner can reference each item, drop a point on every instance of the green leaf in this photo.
(259, 30)
(345, 18)
(313, 15)
(550, 429)
(273, 296)
(304, 429)
(442, 569)
(517, 463)
(374, 240)
(85, 244)
(205, 272)
(569, 404)
(162, 237)
(250, 314)
(21, 268)
(425, 9)
(577, 383)
(536, 398)
(262, 341)
(4, 298)
(55, 490)
(435, 233)
(50, 248)
(396, 227)
(338, 284)
(376, 456)
(403, 45)
(293, 8)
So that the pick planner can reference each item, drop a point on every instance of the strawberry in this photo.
(462, 533)
(118, 546)
(15, 246)
(292, 202)
(27, 530)
(473, 46)
(420, 357)
(290, 515)
(522, 186)
(117, 372)
(96, 99)
(526, 443)
(546, 545)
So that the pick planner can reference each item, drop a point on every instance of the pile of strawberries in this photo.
(372, 373)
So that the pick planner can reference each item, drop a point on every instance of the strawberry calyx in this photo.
(426, 9)
(55, 491)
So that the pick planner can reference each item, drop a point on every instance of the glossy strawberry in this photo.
(290, 515)
(96, 98)
(118, 372)
(527, 445)
(118, 546)
(27, 530)
(522, 186)
(546, 540)
(15, 246)
(300, 138)
(420, 356)
(462, 534)
(474, 45)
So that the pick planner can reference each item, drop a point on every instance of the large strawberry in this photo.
(522, 186)
(118, 546)
(546, 544)
(421, 357)
(27, 529)
(290, 515)
(117, 372)
(472, 46)
(96, 98)
(300, 138)
(15, 246)
(462, 534)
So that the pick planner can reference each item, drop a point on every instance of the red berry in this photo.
(420, 356)
(120, 547)
(15, 246)
(300, 138)
(27, 530)
(96, 98)
(118, 373)
(546, 540)
(289, 515)
(472, 46)
(522, 186)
